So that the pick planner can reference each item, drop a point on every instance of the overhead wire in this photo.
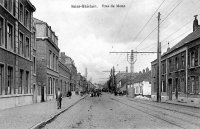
(160, 23)
(148, 21)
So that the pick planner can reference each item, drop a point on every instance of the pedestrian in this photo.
(59, 98)
(70, 94)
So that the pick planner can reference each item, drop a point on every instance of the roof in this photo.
(188, 39)
(32, 6)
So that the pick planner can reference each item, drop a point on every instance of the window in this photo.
(1, 32)
(163, 88)
(50, 59)
(53, 85)
(183, 61)
(54, 63)
(50, 87)
(192, 59)
(8, 4)
(192, 84)
(176, 63)
(1, 78)
(163, 68)
(65, 87)
(26, 88)
(170, 65)
(27, 19)
(10, 80)
(34, 43)
(10, 44)
(21, 44)
(183, 85)
(21, 12)
(140, 89)
(34, 65)
(27, 48)
(20, 81)
(61, 85)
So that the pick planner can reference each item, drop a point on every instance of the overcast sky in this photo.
(88, 35)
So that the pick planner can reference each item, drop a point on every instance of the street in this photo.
(119, 112)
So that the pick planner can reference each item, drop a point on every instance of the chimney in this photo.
(168, 47)
(147, 69)
(143, 71)
(195, 23)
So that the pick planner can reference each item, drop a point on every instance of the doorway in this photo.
(42, 93)
(170, 88)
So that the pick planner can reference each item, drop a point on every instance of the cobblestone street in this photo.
(111, 112)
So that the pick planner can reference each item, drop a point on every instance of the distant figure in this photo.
(59, 98)
(69, 94)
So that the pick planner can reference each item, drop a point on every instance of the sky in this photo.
(88, 35)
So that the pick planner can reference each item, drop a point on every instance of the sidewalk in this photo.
(188, 104)
(26, 117)
(175, 102)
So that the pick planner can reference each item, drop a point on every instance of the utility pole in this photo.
(159, 63)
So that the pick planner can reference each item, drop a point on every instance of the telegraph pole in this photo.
(159, 63)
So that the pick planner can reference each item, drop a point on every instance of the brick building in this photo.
(180, 71)
(71, 65)
(64, 75)
(16, 49)
(46, 61)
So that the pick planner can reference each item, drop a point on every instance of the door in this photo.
(170, 88)
(176, 90)
(42, 93)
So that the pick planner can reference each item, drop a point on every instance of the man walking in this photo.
(59, 98)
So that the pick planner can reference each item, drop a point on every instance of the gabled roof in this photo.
(189, 38)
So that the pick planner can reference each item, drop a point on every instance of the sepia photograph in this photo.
(99, 64)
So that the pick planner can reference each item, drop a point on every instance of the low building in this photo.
(142, 83)
(180, 71)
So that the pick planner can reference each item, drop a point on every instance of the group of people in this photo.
(59, 97)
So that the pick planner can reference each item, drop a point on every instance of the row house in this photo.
(64, 75)
(17, 49)
(71, 65)
(47, 60)
(180, 69)
(81, 83)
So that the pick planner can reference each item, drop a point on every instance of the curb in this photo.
(192, 106)
(52, 117)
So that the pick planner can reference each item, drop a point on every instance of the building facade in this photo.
(47, 61)
(180, 75)
(64, 75)
(71, 65)
(16, 53)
